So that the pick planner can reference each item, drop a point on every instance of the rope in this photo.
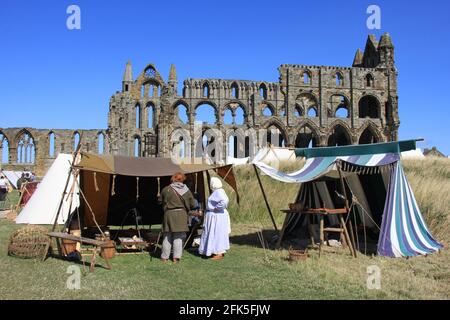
(95, 182)
(113, 187)
(90, 209)
(159, 187)
(137, 188)
(195, 184)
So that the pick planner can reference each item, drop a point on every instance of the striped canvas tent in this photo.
(378, 187)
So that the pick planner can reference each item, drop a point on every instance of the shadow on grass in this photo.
(254, 239)
(86, 263)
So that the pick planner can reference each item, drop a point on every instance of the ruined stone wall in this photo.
(308, 106)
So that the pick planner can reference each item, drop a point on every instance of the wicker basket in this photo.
(29, 242)
(298, 255)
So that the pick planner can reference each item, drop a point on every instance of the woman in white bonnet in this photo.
(216, 228)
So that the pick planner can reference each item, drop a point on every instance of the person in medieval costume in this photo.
(177, 201)
(216, 229)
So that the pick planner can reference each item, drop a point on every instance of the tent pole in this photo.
(352, 240)
(265, 198)
(75, 154)
(62, 199)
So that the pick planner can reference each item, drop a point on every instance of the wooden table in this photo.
(321, 213)
(96, 243)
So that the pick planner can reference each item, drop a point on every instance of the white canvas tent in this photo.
(13, 176)
(43, 205)
(415, 154)
(237, 161)
(274, 156)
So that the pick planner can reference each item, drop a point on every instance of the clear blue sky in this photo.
(52, 77)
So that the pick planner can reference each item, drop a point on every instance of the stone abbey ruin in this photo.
(309, 106)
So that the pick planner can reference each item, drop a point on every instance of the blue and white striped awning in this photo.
(315, 168)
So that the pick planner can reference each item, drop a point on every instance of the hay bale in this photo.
(29, 242)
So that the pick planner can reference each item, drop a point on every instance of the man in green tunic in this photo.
(177, 200)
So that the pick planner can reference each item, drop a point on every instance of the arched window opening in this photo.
(205, 90)
(232, 146)
(150, 120)
(205, 113)
(339, 104)
(203, 148)
(239, 117)
(267, 111)
(101, 143)
(369, 80)
(339, 80)
(247, 147)
(306, 138)
(137, 113)
(306, 77)
(76, 140)
(275, 137)
(181, 112)
(51, 145)
(228, 117)
(263, 91)
(4, 149)
(182, 150)
(312, 112)
(120, 122)
(339, 137)
(143, 91)
(26, 149)
(367, 137)
(234, 91)
(137, 146)
(369, 107)
(298, 111)
(342, 112)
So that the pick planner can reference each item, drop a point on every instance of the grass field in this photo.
(249, 271)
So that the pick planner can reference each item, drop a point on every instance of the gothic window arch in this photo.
(263, 91)
(339, 79)
(181, 113)
(4, 149)
(137, 150)
(234, 91)
(75, 140)
(137, 114)
(51, 144)
(25, 148)
(339, 106)
(369, 107)
(312, 112)
(307, 77)
(150, 110)
(307, 137)
(339, 136)
(267, 110)
(206, 113)
(205, 90)
(368, 136)
(100, 143)
(369, 80)
(276, 136)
